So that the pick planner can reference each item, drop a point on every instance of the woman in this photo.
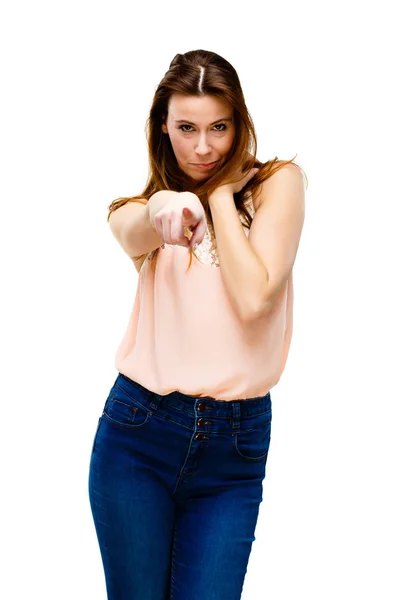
(180, 450)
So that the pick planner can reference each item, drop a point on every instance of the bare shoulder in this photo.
(288, 175)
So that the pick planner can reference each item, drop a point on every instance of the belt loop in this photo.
(235, 414)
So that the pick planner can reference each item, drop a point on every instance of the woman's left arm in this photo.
(256, 269)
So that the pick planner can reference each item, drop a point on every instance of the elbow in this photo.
(255, 312)
(271, 299)
(257, 306)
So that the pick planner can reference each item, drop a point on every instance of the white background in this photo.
(320, 81)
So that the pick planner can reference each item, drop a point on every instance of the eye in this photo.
(217, 125)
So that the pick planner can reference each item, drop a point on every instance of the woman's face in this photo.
(201, 131)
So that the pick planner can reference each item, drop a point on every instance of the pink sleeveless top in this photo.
(184, 335)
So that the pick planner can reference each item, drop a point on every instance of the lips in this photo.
(205, 167)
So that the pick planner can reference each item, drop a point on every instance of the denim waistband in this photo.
(193, 405)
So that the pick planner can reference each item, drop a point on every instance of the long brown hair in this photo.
(198, 73)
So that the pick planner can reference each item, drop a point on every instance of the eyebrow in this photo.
(213, 123)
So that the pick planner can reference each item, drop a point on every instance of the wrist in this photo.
(149, 215)
(220, 195)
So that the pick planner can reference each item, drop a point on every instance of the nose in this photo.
(203, 148)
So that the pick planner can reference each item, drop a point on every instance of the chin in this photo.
(201, 176)
(196, 176)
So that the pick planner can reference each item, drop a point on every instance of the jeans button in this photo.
(201, 406)
(201, 422)
(199, 436)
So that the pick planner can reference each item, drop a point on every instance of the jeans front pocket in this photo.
(124, 410)
(253, 444)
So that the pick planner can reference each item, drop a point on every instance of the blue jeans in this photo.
(175, 485)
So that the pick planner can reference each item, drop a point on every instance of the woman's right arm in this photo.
(131, 226)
